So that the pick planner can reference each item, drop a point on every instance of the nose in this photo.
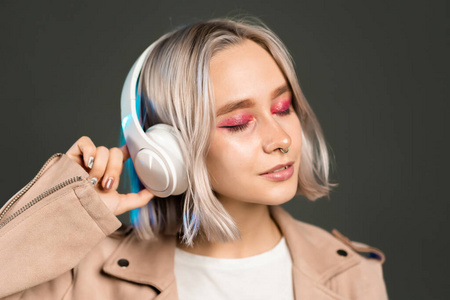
(275, 137)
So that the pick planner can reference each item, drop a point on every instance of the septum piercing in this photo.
(284, 151)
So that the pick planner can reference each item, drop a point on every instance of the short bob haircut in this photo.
(176, 87)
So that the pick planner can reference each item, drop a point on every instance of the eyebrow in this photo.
(247, 103)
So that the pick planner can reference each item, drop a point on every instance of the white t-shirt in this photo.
(264, 276)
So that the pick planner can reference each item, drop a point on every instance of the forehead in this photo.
(244, 71)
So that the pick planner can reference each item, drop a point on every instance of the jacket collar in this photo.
(314, 254)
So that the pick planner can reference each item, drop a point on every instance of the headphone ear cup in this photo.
(162, 170)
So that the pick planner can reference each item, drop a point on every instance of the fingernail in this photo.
(91, 162)
(109, 183)
(94, 180)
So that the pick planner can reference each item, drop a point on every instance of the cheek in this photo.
(298, 140)
(298, 131)
(227, 158)
(294, 128)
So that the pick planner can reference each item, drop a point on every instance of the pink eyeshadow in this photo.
(281, 105)
(236, 120)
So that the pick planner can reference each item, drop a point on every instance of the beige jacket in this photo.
(58, 241)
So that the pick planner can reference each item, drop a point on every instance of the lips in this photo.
(278, 168)
(279, 172)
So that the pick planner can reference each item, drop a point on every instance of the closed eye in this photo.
(236, 128)
(284, 112)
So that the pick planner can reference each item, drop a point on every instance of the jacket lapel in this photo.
(314, 254)
(148, 263)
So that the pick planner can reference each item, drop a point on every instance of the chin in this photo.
(280, 201)
(282, 193)
(278, 196)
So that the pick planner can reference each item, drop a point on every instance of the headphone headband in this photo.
(128, 106)
(156, 153)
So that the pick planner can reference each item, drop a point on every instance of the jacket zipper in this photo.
(38, 198)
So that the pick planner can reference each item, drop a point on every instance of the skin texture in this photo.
(246, 144)
(237, 158)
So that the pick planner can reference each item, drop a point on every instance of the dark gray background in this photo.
(373, 71)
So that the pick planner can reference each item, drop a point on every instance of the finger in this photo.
(83, 150)
(125, 152)
(133, 200)
(99, 166)
(113, 169)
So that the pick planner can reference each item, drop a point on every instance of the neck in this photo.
(259, 233)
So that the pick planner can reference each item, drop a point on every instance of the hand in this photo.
(104, 167)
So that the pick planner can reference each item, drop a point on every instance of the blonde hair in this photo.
(177, 90)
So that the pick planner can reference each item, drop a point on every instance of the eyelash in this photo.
(284, 112)
(236, 128)
(241, 127)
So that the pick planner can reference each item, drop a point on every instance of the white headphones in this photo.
(156, 153)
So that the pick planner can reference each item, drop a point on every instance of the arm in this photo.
(54, 221)
(48, 229)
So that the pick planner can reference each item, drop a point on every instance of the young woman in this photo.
(249, 142)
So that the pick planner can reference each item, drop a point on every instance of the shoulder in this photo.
(339, 250)
(364, 250)
(319, 236)
(304, 236)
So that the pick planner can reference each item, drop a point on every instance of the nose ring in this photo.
(284, 151)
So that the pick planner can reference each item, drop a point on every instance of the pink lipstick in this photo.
(280, 172)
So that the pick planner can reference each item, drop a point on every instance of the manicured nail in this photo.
(91, 162)
(109, 183)
(94, 180)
